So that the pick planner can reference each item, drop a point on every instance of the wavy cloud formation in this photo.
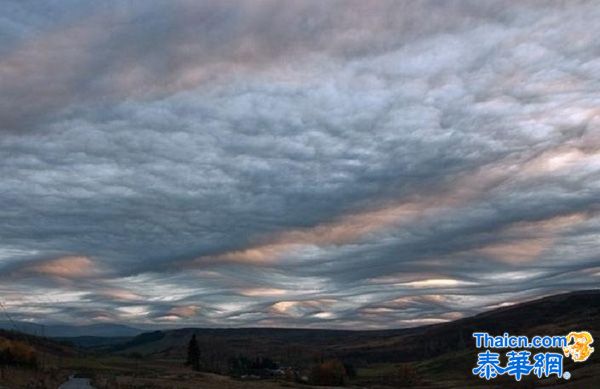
(336, 164)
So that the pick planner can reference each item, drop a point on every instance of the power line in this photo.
(3, 306)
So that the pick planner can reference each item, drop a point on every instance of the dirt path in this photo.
(77, 383)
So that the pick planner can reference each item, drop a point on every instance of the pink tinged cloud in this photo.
(263, 292)
(120, 294)
(302, 308)
(184, 311)
(70, 267)
(468, 187)
(526, 242)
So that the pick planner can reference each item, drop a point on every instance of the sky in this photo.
(337, 164)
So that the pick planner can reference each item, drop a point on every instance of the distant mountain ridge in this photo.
(71, 331)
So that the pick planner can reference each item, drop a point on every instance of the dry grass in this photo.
(19, 377)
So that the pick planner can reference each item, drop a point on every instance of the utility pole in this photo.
(42, 353)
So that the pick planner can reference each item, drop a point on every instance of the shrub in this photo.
(407, 375)
(331, 372)
(17, 353)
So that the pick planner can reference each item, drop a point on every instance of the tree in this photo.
(193, 353)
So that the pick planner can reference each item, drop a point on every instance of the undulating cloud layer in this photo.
(340, 164)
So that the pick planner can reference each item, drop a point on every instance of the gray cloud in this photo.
(303, 164)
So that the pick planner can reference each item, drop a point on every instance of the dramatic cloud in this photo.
(65, 267)
(342, 164)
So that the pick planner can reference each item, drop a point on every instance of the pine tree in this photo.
(193, 354)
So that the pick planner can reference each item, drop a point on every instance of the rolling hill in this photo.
(69, 331)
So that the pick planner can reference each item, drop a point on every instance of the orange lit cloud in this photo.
(352, 227)
(120, 294)
(517, 251)
(184, 311)
(303, 307)
(561, 159)
(263, 292)
(284, 306)
(468, 187)
(132, 311)
(422, 280)
(65, 267)
(527, 241)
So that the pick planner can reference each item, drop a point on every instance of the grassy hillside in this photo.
(70, 331)
(31, 362)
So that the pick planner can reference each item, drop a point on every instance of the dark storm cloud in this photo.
(335, 164)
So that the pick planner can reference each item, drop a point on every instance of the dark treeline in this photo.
(319, 370)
